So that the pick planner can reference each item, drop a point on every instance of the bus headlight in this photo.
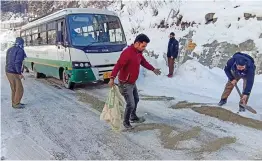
(79, 65)
(86, 65)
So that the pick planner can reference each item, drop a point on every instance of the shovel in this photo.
(245, 106)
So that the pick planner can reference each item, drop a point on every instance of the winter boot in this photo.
(170, 75)
(137, 120)
(222, 102)
(19, 106)
(127, 125)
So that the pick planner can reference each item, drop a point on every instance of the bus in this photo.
(75, 45)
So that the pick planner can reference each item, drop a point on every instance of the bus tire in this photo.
(36, 74)
(66, 80)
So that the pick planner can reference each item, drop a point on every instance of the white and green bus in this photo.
(76, 45)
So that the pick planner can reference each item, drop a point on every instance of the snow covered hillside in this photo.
(232, 26)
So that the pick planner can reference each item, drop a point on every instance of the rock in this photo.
(213, 44)
(259, 18)
(237, 6)
(189, 35)
(247, 16)
(260, 36)
(179, 19)
(193, 23)
(214, 20)
(223, 50)
(209, 17)
(248, 45)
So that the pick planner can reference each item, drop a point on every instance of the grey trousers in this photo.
(130, 93)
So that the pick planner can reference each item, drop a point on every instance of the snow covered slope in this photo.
(216, 42)
(140, 15)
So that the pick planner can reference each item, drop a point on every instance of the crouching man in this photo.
(240, 66)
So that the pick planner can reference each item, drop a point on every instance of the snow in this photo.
(136, 15)
(13, 20)
(7, 36)
(192, 82)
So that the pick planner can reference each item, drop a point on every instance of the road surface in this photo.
(61, 124)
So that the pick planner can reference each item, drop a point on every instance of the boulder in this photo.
(209, 17)
(247, 15)
(259, 18)
(248, 45)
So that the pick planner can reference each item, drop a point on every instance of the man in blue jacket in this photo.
(240, 66)
(172, 53)
(14, 60)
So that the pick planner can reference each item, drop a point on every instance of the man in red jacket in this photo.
(128, 68)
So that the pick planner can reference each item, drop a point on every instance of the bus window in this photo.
(44, 37)
(51, 33)
(60, 32)
(51, 37)
(86, 29)
(28, 37)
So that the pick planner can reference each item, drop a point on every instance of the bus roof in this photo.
(67, 11)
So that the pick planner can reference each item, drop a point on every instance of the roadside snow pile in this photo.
(195, 73)
(199, 84)
(192, 77)
(7, 38)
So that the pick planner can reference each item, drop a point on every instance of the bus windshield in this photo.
(95, 29)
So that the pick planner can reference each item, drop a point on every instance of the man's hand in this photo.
(234, 82)
(172, 57)
(21, 76)
(157, 71)
(244, 99)
(111, 83)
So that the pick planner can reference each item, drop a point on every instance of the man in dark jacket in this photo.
(172, 53)
(128, 68)
(14, 59)
(240, 66)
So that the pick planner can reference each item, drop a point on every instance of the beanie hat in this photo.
(241, 61)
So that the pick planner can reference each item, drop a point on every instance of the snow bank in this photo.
(197, 83)
(7, 38)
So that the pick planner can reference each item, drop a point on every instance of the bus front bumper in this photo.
(81, 75)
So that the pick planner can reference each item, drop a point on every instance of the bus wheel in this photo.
(36, 74)
(66, 80)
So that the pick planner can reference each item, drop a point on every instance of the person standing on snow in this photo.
(14, 60)
(128, 68)
(172, 53)
(240, 66)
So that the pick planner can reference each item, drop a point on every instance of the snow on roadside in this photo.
(197, 83)
(7, 38)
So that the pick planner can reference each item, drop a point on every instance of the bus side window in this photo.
(60, 32)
